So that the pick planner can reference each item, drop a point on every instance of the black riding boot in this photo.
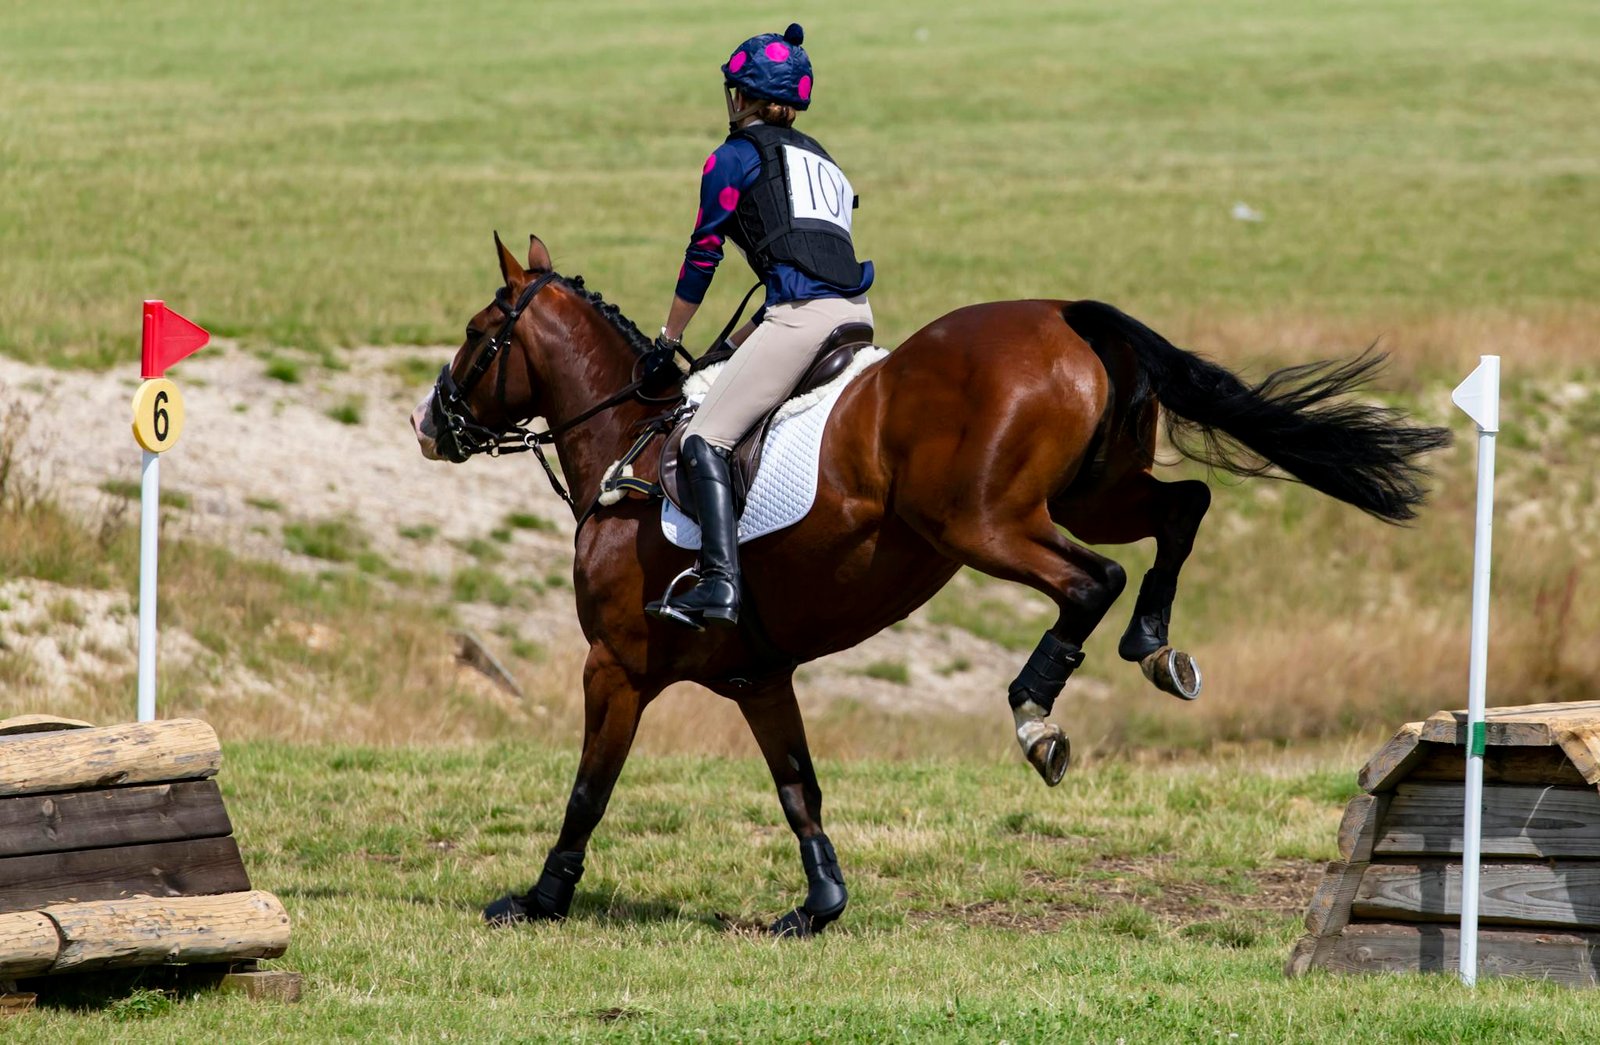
(715, 599)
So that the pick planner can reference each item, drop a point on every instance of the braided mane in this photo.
(626, 327)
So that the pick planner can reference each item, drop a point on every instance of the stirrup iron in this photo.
(663, 608)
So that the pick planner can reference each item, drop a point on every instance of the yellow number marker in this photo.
(157, 415)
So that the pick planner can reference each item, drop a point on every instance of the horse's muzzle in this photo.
(425, 427)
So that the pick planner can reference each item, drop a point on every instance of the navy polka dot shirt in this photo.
(728, 174)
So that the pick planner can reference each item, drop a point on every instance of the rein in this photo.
(460, 434)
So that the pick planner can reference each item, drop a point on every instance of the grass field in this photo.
(1427, 177)
(306, 173)
(1137, 904)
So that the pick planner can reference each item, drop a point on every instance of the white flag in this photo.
(1479, 394)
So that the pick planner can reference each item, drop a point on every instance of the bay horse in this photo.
(976, 443)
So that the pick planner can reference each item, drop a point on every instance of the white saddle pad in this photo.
(786, 483)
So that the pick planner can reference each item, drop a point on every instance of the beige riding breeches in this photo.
(766, 368)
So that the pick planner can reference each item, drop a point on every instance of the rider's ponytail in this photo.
(776, 113)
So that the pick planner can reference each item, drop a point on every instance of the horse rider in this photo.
(778, 195)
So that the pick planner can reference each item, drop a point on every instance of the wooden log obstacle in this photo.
(116, 851)
(1392, 901)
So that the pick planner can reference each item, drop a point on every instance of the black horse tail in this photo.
(1295, 419)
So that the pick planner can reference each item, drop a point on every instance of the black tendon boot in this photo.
(548, 900)
(1152, 616)
(715, 599)
(1045, 674)
(825, 893)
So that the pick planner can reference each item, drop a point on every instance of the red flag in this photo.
(168, 338)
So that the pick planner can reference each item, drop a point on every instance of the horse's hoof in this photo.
(1050, 754)
(510, 909)
(801, 924)
(514, 909)
(796, 925)
(1173, 671)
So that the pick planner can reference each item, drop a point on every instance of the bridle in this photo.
(459, 434)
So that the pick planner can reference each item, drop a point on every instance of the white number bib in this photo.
(818, 189)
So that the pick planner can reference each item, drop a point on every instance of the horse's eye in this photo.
(471, 334)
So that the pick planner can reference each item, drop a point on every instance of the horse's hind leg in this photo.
(613, 703)
(1082, 583)
(774, 718)
(1141, 506)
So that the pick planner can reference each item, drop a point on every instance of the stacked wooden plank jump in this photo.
(1392, 901)
(116, 851)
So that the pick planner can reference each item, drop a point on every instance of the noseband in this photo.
(459, 434)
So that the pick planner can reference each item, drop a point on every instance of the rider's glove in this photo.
(659, 369)
(669, 344)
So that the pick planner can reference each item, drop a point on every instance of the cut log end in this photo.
(29, 944)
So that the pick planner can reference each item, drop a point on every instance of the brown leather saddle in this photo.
(833, 358)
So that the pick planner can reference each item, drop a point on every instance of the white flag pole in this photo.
(1479, 397)
(157, 423)
(149, 520)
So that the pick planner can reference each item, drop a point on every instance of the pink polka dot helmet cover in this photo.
(772, 66)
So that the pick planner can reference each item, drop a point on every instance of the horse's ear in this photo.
(510, 268)
(538, 256)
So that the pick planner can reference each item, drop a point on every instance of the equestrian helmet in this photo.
(772, 67)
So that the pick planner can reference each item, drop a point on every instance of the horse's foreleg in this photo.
(1141, 506)
(1082, 583)
(612, 705)
(774, 718)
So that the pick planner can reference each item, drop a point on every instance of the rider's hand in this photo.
(669, 344)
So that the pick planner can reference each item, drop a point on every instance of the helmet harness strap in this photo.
(737, 116)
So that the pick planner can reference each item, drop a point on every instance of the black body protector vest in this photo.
(798, 212)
